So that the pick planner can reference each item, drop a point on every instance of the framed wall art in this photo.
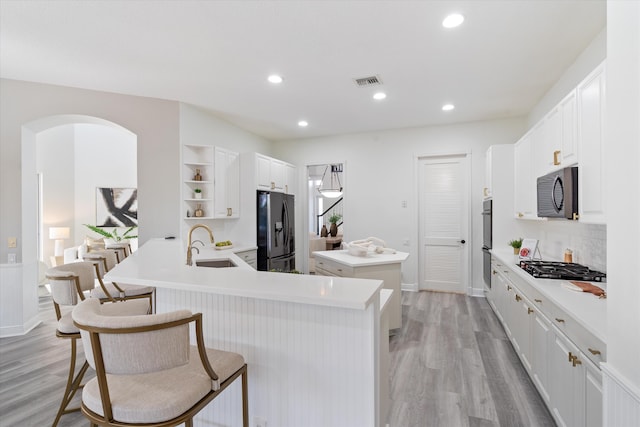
(116, 207)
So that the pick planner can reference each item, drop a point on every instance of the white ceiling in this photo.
(217, 55)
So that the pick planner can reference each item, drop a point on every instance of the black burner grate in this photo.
(561, 270)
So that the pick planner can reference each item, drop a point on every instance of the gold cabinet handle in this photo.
(520, 214)
(339, 269)
(571, 356)
(508, 288)
(560, 321)
(518, 298)
(576, 217)
(529, 310)
(594, 351)
(556, 157)
(576, 361)
(494, 272)
(538, 301)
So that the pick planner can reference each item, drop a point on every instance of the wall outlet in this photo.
(12, 242)
(11, 258)
(405, 242)
(259, 422)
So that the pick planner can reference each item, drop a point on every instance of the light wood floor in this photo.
(451, 365)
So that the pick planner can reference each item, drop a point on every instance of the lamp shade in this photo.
(56, 233)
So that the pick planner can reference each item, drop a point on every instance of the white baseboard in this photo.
(621, 399)
(411, 287)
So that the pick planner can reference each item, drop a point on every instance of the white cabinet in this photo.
(524, 180)
(197, 173)
(249, 256)
(226, 199)
(274, 175)
(591, 176)
(556, 145)
(576, 385)
(291, 179)
(390, 273)
(218, 171)
(560, 355)
(498, 168)
(540, 337)
(569, 136)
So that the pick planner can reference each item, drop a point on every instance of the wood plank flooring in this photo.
(451, 365)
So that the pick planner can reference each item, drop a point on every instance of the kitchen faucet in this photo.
(190, 244)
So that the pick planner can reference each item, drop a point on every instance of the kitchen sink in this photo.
(216, 263)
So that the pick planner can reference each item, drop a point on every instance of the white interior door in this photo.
(444, 223)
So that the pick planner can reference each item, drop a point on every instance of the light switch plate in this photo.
(12, 242)
(11, 258)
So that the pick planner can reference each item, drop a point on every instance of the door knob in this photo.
(463, 241)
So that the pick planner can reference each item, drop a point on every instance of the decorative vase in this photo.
(516, 251)
(324, 232)
(197, 176)
(198, 212)
(333, 230)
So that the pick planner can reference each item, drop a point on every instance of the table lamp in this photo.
(59, 234)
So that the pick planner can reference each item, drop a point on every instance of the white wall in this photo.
(105, 157)
(199, 127)
(54, 160)
(622, 137)
(593, 55)
(380, 174)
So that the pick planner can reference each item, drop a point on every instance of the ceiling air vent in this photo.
(368, 81)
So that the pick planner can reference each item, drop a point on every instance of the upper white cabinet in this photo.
(524, 178)
(226, 198)
(571, 133)
(556, 144)
(274, 175)
(291, 179)
(216, 173)
(591, 153)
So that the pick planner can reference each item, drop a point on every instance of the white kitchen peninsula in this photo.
(384, 266)
(312, 343)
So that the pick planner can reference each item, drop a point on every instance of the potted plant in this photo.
(333, 219)
(516, 244)
(197, 193)
(113, 235)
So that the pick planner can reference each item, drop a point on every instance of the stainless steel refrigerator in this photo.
(276, 231)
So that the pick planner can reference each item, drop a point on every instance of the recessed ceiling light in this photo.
(453, 20)
(274, 78)
(303, 123)
(448, 107)
(379, 95)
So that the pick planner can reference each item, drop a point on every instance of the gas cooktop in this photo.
(561, 270)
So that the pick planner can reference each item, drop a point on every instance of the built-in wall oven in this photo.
(487, 240)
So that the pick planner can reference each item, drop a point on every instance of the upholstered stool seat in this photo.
(146, 370)
(162, 396)
(69, 284)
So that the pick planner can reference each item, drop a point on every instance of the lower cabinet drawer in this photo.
(334, 268)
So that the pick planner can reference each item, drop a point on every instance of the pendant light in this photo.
(333, 188)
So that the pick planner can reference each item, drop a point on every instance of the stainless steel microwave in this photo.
(558, 194)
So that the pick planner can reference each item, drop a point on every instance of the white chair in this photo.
(68, 284)
(104, 261)
(146, 371)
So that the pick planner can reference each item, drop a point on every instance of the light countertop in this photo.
(162, 263)
(587, 309)
(344, 257)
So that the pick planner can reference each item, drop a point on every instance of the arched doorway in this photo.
(64, 159)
